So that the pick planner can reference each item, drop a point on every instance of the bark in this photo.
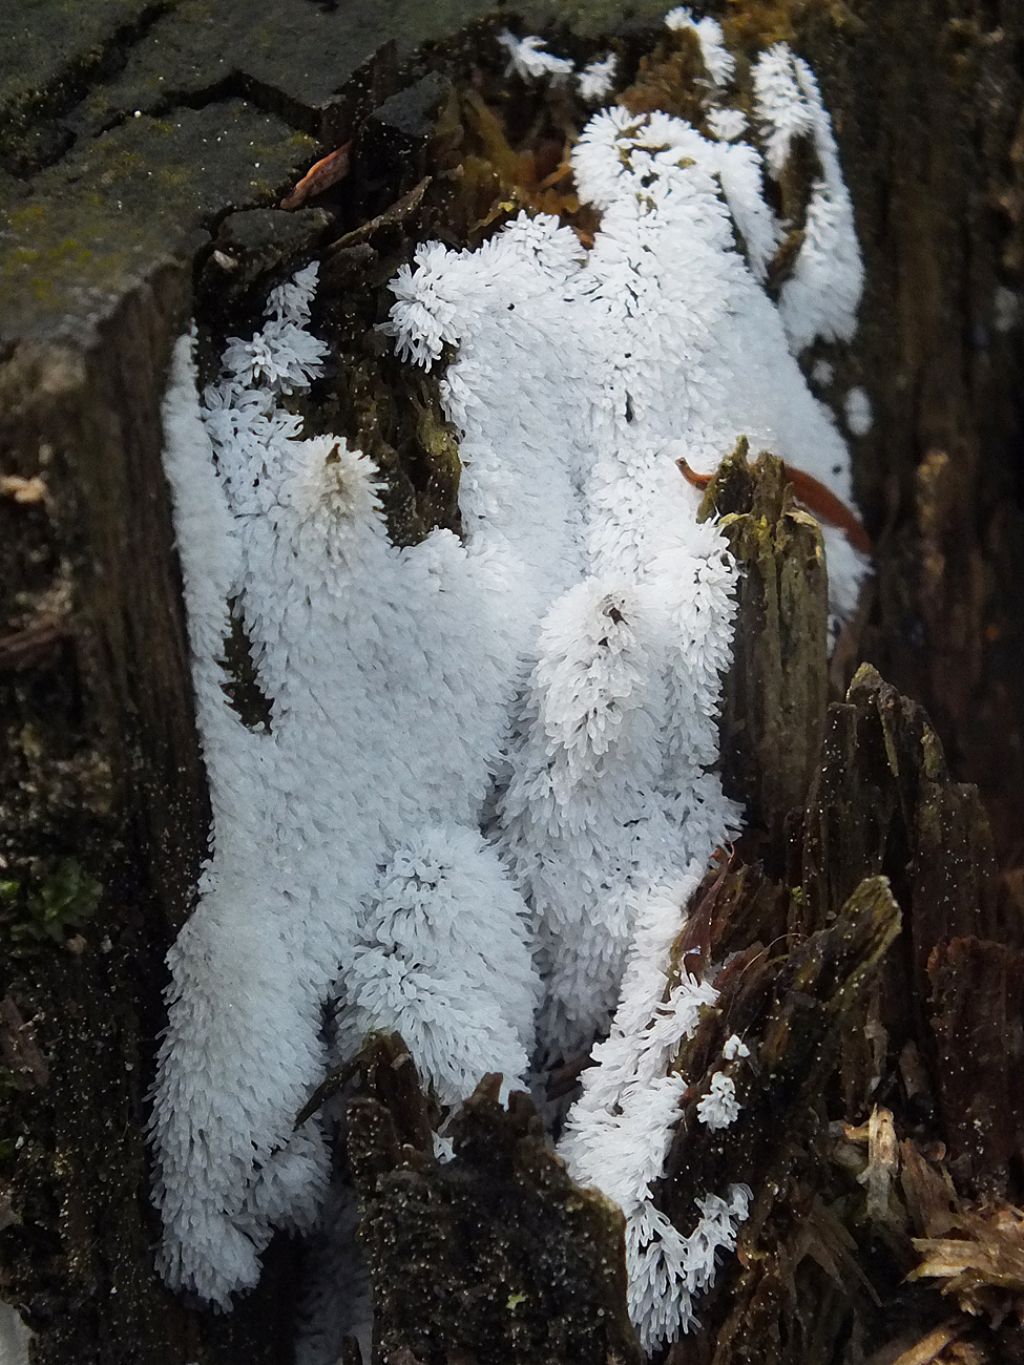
(892, 1013)
(495, 1255)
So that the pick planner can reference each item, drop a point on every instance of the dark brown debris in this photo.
(494, 1257)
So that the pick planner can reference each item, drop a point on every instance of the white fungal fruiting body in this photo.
(718, 60)
(734, 1047)
(823, 372)
(442, 954)
(619, 1132)
(552, 680)
(530, 60)
(240, 1047)
(369, 655)
(682, 352)
(587, 821)
(597, 79)
(821, 295)
(719, 1108)
(672, 1269)
(726, 124)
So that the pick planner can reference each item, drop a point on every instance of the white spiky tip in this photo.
(726, 124)
(282, 355)
(332, 487)
(597, 79)
(719, 1107)
(529, 59)
(422, 318)
(718, 60)
(734, 1047)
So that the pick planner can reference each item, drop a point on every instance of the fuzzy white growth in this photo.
(597, 80)
(619, 1132)
(734, 1047)
(553, 678)
(292, 300)
(423, 317)
(444, 1148)
(592, 814)
(530, 60)
(673, 1269)
(726, 124)
(612, 364)
(584, 822)
(823, 372)
(443, 956)
(684, 352)
(632, 1061)
(282, 355)
(821, 297)
(719, 1107)
(858, 412)
(390, 673)
(718, 60)
(784, 115)
(614, 1112)
(620, 155)
(240, 1046)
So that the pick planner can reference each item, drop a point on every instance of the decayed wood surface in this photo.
(886, 1144)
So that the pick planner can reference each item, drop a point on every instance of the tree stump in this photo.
(137, 139)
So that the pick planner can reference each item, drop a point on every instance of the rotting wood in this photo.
(96, 741)
(495, 1256)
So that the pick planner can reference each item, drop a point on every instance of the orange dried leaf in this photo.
(320, 176)
(818, 499)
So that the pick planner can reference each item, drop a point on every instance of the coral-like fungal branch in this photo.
(488, 784)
